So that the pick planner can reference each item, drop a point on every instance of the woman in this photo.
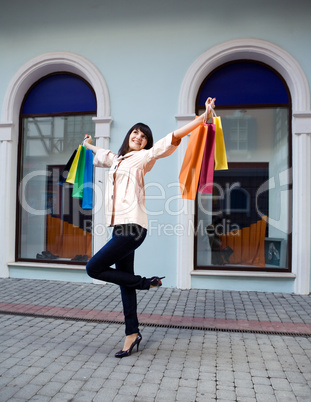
(125, 211)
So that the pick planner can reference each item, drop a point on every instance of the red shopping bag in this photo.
(207, 169)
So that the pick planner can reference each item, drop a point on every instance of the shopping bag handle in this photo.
(82, 143)
(209, 107)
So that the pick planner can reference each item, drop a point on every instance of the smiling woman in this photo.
(126, 212)
(137, 141)
(132, 138)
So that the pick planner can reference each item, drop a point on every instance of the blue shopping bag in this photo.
(87, 198)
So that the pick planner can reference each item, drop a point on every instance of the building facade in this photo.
(70, 68)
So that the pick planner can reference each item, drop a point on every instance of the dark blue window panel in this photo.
(244, 83)
(60, 93)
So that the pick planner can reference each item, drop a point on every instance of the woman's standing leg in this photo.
(120, 251)
(129, 298)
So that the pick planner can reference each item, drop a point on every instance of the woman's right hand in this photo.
(87, 142)
(87, 139)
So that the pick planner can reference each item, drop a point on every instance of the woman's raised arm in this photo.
(88, 144)
(187, 128)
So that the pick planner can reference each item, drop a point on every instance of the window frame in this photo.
(198, 109)
(20, 167)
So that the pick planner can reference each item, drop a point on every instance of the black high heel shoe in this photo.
(125, 353)
(156, 281)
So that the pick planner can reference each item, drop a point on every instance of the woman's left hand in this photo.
(209, 105)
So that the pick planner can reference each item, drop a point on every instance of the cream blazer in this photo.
(125, 189)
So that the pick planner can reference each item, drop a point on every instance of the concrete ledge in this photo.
(39, 265)
(48, 271)
(247, 274)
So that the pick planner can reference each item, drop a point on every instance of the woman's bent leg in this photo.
(126, 238)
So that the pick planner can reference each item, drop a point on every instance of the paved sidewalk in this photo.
(58, 339)
(202, 309)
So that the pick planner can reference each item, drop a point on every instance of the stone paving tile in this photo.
(161, 320)
(174, 364)
(198, 303)
(47, 359)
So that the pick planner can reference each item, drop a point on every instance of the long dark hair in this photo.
(144, 129)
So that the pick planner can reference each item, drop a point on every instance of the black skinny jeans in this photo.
(120, 251)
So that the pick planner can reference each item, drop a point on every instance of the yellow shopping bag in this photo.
(220, 149)
(73, 169)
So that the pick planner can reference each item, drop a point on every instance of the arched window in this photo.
(56, 113)
(235, 231)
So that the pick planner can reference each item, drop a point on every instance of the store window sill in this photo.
(248, 274)
(49, 265)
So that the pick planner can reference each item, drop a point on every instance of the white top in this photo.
(125, 189)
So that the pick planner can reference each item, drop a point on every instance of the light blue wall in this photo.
(250, 284)
(143, 49)
(45, 273)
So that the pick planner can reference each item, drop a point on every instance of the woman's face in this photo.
(137, 140)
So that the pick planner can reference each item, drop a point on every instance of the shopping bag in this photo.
(220, 149)
(191, 167)
(73, 169)
(77, 191)
(64, 174)
(87, 199)
(207, 169)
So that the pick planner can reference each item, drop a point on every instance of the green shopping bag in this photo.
(77, 191)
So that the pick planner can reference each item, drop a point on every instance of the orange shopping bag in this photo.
(191, 167)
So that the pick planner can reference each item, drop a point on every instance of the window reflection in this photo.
(250, 204)
(51, 224)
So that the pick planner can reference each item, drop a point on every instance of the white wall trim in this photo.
(23, 79)
(185, 250)
(49, 63)
(251, 49)
(290, 70)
